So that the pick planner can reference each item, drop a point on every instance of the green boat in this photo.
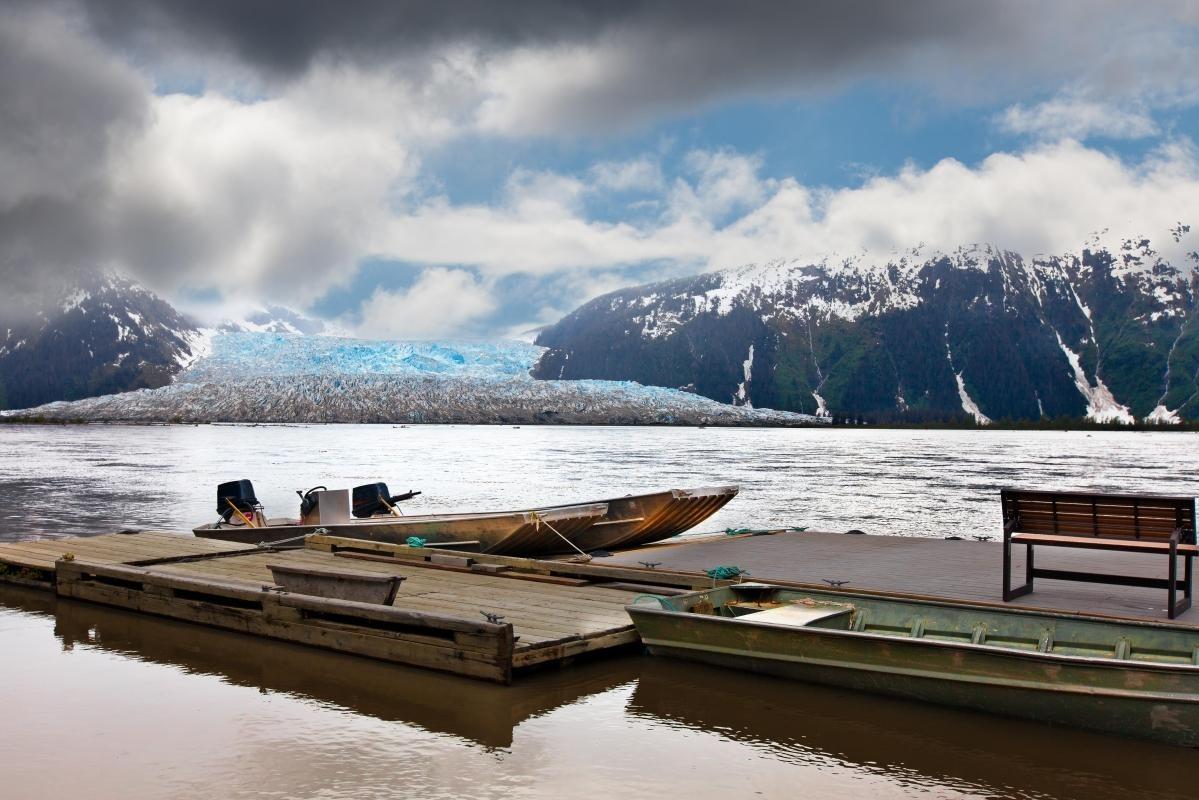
(1124, 677)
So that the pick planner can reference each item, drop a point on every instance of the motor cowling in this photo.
(235, 494)
(375, 498)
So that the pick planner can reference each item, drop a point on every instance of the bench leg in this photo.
(1009, 593)
(1178, 607)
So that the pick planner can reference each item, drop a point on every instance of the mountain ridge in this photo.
(1105, 333)
(104, 334)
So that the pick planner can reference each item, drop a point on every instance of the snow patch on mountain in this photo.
(741, 398)
(968, 404)
(1163, 416)
(1101, 405)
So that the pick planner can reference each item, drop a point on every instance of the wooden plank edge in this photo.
(279, 620)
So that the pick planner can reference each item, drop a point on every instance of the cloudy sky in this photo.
(476, 169)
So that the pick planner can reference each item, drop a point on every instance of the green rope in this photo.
(761, 531)
(724, 573)
(415, 541)
(662, 601)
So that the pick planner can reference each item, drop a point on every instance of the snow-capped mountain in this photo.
(270, 377)
(1107, 332)
(271, 318)
(104, 334)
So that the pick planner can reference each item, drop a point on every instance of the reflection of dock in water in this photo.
(474, 710)
(975, 752)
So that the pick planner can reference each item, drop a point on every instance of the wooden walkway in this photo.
(542, 615)
(32, 562)
(962, 570)
(483, 622)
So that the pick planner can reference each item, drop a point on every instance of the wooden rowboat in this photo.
(510, 532)
(1125, 677)
(638, 519)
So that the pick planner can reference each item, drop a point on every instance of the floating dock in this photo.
(479, 616)
(492, 617)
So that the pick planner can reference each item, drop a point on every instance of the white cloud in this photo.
(722, 182)
(279, 197)
(442, 302)
(1049, 198)
(634, 175)
(1077, 118)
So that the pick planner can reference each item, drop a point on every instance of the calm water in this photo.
(60, 481)
(100, 703)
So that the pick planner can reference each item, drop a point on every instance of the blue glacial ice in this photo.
(273, 377)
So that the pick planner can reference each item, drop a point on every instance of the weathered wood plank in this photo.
(81, 580)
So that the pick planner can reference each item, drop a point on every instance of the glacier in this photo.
(257, 376)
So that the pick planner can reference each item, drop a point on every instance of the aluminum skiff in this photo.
(504, 533)
(1124, 677)
(638, 519)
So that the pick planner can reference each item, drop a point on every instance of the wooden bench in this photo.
(1125, 523)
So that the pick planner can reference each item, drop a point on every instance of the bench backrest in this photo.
(1108, 516)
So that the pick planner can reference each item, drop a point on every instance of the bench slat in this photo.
(1099, 543)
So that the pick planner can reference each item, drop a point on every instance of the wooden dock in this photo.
(488, 617)
(480, 616)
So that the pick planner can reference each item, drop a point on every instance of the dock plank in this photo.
(111, 548)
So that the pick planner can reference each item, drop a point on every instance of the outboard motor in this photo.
(374, 498)
(235, 494)
(309, 500)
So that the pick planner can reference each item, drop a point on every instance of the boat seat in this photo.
(797, 615)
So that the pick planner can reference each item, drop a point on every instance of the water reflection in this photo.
(480, 712)
(974, 753)
(121, 695)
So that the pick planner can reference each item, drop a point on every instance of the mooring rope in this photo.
(277, 542)
(541, 520)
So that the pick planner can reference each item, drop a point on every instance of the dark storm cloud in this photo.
(284, 37)
(64, 108)
(663, 57)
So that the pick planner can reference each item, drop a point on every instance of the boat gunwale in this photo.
(558, 512)
(699, 491)
(1186, 698)
(989, 649)
(950, 602)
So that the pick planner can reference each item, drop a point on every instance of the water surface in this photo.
(102, 703)
(85, 480)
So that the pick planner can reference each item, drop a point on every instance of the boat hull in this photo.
(626, 522)
(1133, 698)
(511, 533)
(640, 519)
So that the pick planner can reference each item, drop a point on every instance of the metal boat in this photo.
(638, 519)
(622, 522)
(503, 533)
(1125, 677)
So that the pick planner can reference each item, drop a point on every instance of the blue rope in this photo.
(415, 541)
